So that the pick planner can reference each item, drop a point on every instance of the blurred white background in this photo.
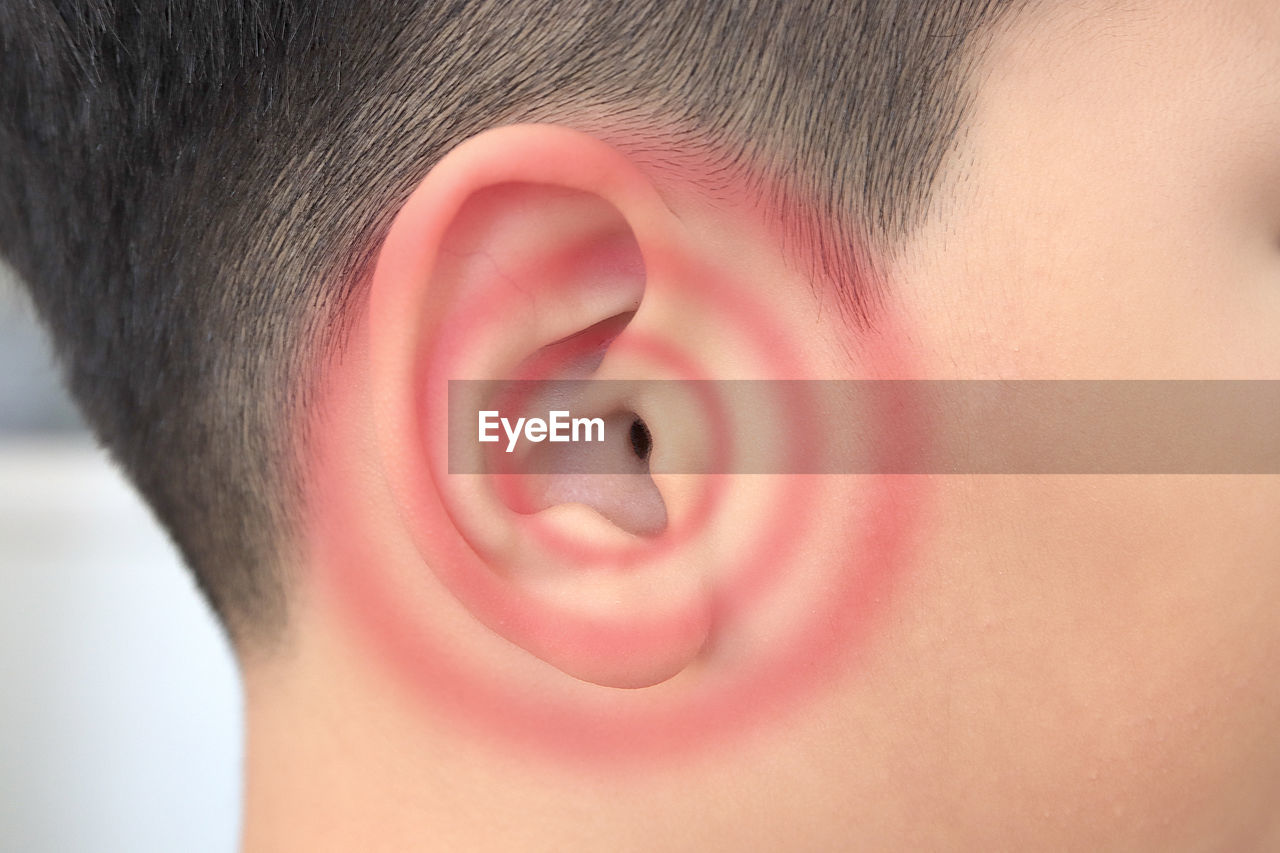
(120, 720)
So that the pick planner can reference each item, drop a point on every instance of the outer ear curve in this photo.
(652, 630)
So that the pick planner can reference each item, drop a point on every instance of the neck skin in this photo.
(341, 756)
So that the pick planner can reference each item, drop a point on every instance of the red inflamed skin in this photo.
(599, 645)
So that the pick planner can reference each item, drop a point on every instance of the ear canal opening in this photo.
(641, 439)
(604, 468)
(610, 476)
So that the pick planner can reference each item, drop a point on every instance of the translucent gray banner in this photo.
(865, 427)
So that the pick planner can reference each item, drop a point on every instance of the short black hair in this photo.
(191, 189)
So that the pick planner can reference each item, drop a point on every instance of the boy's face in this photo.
(1095, 657)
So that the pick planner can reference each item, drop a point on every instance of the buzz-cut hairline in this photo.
(194, 192)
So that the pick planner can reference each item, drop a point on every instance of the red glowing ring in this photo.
(382, 605)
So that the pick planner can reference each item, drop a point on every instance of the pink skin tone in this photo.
(1004, 662)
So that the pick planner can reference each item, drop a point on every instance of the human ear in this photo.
(540, 252)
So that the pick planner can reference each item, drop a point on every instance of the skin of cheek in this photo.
(1103, 646)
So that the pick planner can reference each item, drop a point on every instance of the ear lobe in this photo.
(522, 255)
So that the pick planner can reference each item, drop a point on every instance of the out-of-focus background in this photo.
(120, 712)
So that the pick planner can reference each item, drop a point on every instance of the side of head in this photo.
(196, 200)
(266, 245)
